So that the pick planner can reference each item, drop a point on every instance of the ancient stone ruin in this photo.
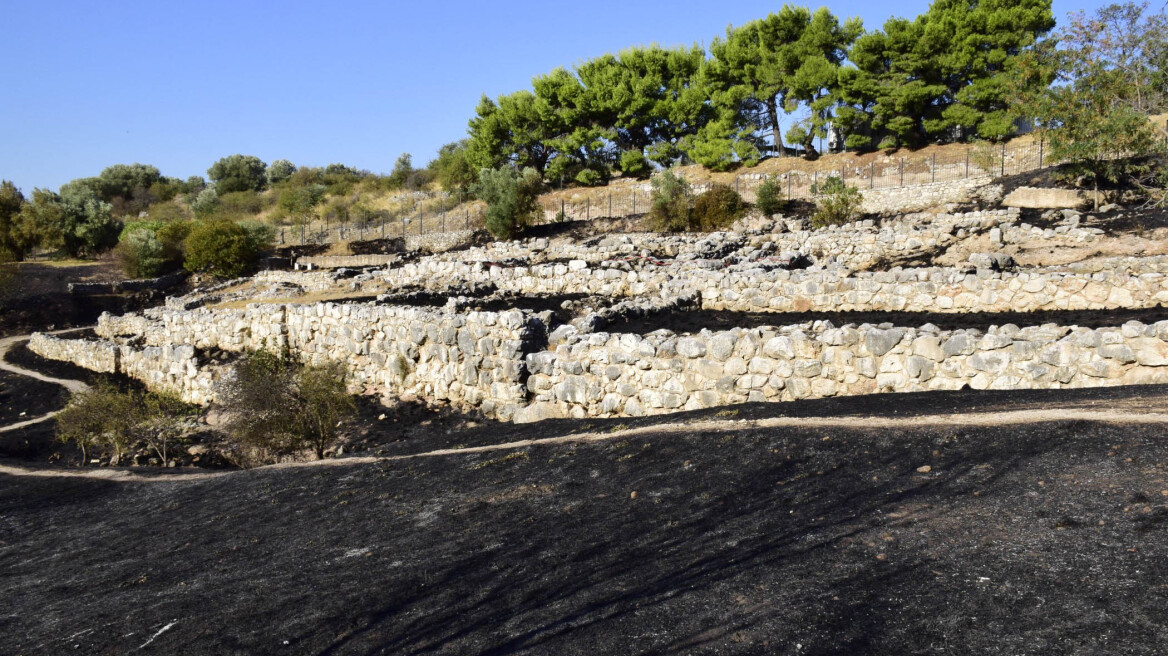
(613, 325)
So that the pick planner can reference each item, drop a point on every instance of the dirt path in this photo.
(71, 385)
(1014, 417)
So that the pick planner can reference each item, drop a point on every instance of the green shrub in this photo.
(220, 248)
(277, 407)
(261, 234)
(634, 164)
(716, 209)
(174, 234)
(279, 171)
(238, 173)
(770, 197)
(670, 209)
(133, 226)
(205, 203)
(837, 203)
(140, 254)
(106, 417)
(511, 199)
(589, 177)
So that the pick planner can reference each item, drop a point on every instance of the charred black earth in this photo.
(702, 533)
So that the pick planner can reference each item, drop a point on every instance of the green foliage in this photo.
(300, 202)
(403, 168)
(261, 235)
(11, 203)
(206, 203)
(220, 248)
(77, 220)
(107, 417)
(945, 73)
(589, 177)
(452, 168)
(769, 198)
(1096, 118)
(238, 173)
(140, 254)
(511, 199)
(670, 207)
(837, 203)
(770, 66)
(716, 209)
(101, 416)
(634, 164)
(277, 408)
(279, 171)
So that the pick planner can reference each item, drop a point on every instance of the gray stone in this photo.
(880, 342)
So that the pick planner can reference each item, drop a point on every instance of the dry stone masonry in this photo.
(426, 339)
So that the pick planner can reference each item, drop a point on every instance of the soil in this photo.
(726, 537)
(692, 321)
(24, 398)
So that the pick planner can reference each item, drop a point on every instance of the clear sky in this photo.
(181, 84)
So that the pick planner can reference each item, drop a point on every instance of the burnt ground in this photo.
(24, 398)
(696, 320)
(1034, 538)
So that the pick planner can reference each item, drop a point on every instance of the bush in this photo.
(240, 204)
(205, 203)
(837, 204)
(770, 197)
(140, 254)
(238, 173)
(279, 171)
(589, 177)
(716, 209)
(104, 416)
(670, 206)
(276, 407)
(634, 164)
(511, 199)
(220, 248)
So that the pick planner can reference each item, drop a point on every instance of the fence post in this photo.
(588, 209)
(443, 220)
(1003, 158)
(1040, 153)
(610, 204)
(790, 176)
(736, 183)
(933, 168)
(967, 163)
(403, 226)
(901, 167)
(563, 215)
(421, 221)
(872, 174)
(467, 210)
(814, 181)
(634, 201)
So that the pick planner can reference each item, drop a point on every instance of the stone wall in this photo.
(474, 359)
(338, 261)
(606, 374)
(926, 196)
(94, 355)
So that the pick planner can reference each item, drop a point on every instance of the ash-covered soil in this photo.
(708, 532)
(24, 398)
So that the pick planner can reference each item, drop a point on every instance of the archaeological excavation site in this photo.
(642, 323)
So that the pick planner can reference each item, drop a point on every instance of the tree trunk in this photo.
(776, 135)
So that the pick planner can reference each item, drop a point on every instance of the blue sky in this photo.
(179, 85)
